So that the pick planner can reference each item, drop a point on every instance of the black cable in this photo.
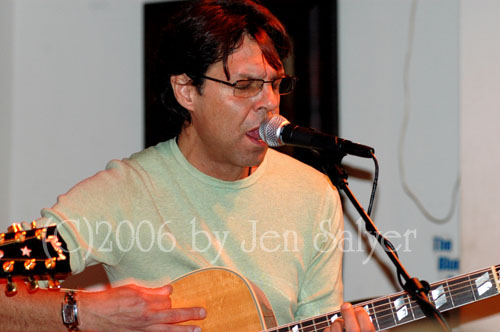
(383, 241)
(374, 185)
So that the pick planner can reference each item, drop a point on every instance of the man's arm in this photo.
(40, 311)
(127, 308)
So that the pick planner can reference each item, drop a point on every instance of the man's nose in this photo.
(270, 98)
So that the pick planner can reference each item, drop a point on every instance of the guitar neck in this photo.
(399, 308)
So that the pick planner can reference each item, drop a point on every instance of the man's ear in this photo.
(183, 90)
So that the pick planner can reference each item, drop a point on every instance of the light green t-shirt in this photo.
(154, 217)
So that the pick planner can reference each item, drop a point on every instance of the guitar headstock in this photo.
(31, 255)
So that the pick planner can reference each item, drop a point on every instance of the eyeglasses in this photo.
(251, 87)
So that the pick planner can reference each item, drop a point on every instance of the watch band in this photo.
(69, 312)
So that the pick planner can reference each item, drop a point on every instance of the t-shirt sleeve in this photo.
(322, 290)
(92, 216)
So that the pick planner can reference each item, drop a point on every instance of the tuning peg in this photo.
(8, 266)
(15, 227)
(11, 288)
(30, 264)
(33, 224)
(2, 238)
(50, 263)
(20, 236)
(32, 285)
(53, 284)
(40, 233)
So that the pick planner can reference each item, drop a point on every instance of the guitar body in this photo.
(232, 302)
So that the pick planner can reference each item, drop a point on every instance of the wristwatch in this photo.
(69, 311)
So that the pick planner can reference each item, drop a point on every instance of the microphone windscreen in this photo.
(270, 130)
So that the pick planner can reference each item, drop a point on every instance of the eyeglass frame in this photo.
(233, 85)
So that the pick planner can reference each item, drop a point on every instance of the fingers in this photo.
(160, 307)
(165, 290)
(158, 298)
(337, 326)
(350, 320)
(134, 308)
(356, 319)
(173, 316)
(174, 328)
(364, 320)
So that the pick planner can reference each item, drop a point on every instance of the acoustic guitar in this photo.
(233, 303)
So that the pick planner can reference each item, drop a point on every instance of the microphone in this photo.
(278, 131)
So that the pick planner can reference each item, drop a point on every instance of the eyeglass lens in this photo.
(246, 88)
(286, 85)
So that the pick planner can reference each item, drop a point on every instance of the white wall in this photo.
(378, 59)
(73, 95)
(480, 155)
(6, 36)
(454, 79)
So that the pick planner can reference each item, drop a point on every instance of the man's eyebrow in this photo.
(249, 74)
(250, 77)
(258, 77)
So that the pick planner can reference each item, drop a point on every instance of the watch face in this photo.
(68, 313)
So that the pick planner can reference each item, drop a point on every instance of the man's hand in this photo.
(354, 320)
(133, 308)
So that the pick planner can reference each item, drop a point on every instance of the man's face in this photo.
(224, 129)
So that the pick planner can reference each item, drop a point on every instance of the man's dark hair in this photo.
(208, 31)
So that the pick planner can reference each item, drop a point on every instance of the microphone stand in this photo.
(416, 288)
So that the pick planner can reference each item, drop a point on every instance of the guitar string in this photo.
(448, 281)
(454, 290)
(18, 260)
(386, 307)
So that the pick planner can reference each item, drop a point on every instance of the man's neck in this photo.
(214, 169)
